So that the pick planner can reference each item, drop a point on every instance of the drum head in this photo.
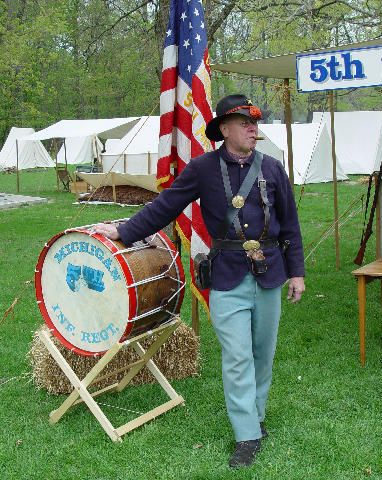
(82, 291)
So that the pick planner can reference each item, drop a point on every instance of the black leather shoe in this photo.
(264, 432)
(245, 453)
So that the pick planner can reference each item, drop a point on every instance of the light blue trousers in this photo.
(246, 321)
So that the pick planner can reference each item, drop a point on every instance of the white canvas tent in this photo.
(137, 152)
(29, 154)
(358, 135)
(378, 153)
(103, 128)
(312, 161)
(80, 150)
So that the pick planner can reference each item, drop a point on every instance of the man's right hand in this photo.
(109, 230)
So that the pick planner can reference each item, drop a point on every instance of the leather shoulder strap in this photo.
(244, 190)
(266, 203)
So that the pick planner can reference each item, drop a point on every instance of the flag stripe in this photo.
(166, 124)
(169, 79)
(170, 57)
(183, 120)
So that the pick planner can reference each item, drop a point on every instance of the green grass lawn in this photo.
(324, 411)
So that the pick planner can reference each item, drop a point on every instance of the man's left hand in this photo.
(296, 288)
(109, 230)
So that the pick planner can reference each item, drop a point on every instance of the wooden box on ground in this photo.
(78, 187)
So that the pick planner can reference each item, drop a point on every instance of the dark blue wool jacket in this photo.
(201, 179)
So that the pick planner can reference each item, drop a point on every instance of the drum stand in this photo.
(81, 393)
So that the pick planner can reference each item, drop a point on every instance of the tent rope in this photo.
(22, 376)
(349, 212)
(119, 408)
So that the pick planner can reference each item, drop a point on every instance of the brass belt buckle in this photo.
(251, 245)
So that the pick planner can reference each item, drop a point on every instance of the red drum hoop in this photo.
(93, 292)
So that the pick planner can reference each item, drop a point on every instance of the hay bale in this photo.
(178, 358)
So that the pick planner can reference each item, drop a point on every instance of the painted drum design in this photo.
(93, 292)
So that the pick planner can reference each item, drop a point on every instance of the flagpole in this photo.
(195, 314)
(176, 236)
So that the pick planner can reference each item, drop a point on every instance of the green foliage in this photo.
(324, 408)
(72, 59)
(102, 59)
(257, 29)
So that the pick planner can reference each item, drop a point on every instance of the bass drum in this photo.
(93, 292)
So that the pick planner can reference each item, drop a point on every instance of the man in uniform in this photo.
(252, 257)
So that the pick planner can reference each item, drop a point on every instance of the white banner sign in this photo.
(354, 68)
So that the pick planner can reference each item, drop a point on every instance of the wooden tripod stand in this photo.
(81, 393)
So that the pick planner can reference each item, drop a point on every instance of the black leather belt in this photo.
(247, 245)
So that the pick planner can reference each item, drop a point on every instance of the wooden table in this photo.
(364, 275)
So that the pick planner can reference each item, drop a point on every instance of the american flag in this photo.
(185, 107)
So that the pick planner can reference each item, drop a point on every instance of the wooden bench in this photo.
(367, 273)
